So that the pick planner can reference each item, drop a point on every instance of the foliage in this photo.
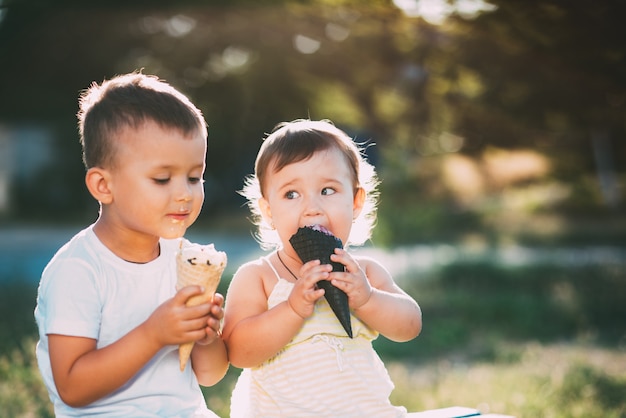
(21, 388)
(539, 340)
(531, 380)
(524, 76)
(474, 305)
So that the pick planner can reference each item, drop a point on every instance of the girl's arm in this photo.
(83, 373)
(254, 334)
(376, 299)
(208, 357)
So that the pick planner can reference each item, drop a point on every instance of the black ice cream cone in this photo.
(311, 243)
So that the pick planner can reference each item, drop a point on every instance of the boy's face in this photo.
(157, 181)
(319, 190)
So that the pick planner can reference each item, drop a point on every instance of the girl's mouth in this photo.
(320, 228)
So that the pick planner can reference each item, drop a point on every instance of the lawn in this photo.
(531, 341)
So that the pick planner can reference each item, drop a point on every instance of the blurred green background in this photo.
(499, 131)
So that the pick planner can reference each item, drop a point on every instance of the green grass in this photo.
(529, 380)
(538, 341)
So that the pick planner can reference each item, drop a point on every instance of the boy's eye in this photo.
(326, 191)
(195, 180)
(161, 181)
(291, 194)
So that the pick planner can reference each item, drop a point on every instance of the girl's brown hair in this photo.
(291, 142)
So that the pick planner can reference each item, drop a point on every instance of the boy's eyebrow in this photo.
(171, 166)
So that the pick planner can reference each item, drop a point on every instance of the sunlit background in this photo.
(498, 129)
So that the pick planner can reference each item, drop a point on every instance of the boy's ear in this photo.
(359, 202)
(264, 206)
(97, 181)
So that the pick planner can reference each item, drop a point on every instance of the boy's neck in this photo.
(133, 248)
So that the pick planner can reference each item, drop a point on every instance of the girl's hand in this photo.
(174, 323)
(213, 324)
(305, 292)
(353, 281)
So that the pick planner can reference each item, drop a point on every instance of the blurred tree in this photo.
(554, 80)
(535, 75)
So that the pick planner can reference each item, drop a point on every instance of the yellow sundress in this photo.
(321, 372)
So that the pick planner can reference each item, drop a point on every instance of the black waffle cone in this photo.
(311, 244)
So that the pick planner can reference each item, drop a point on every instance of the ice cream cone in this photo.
(316, 243)
(198, 265)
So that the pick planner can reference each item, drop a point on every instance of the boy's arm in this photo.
(83, 374)
(208, 357)
(210, 362)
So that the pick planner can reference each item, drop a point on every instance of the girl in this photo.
(296, 357)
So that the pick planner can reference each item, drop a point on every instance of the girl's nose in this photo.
(312, 206)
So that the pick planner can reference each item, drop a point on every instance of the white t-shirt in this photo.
(87, 291)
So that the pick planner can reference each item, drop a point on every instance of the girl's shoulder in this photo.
(256, 273)
(367, 261)
(249, 270)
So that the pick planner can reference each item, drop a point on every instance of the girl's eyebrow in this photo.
(287, 184)
(330, 180)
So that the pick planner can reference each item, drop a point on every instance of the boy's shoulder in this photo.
(78, 257)
(79, 245)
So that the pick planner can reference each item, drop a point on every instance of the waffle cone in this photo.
(313, 243)
(200, 274)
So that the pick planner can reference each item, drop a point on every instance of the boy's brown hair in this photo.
(127, 101)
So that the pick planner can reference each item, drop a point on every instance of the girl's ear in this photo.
(97, 180)
(359, 202)
(266, 212)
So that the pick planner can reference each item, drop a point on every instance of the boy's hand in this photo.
(174, 323)
(305, 292)
(353, 281)
(213, 324)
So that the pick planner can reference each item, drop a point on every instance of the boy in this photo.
(109, 318)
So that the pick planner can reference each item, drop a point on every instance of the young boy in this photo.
(109, 318)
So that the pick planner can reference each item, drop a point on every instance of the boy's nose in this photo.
(183, 192)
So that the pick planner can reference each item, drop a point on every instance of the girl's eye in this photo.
(195, 180)
(326, 191)
(161, 181)
(291, 194)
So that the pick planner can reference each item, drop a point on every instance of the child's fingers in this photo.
(307, 267)
(213, 325)
(343, 257)
(218, 299)
(181, 297)
(216, 312)
(313, 271)
(196, 324)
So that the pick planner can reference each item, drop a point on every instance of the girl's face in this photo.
(156, 183)
(319, 190)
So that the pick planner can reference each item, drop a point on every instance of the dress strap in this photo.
(269, 263)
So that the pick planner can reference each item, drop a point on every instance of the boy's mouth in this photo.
(178, 217)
